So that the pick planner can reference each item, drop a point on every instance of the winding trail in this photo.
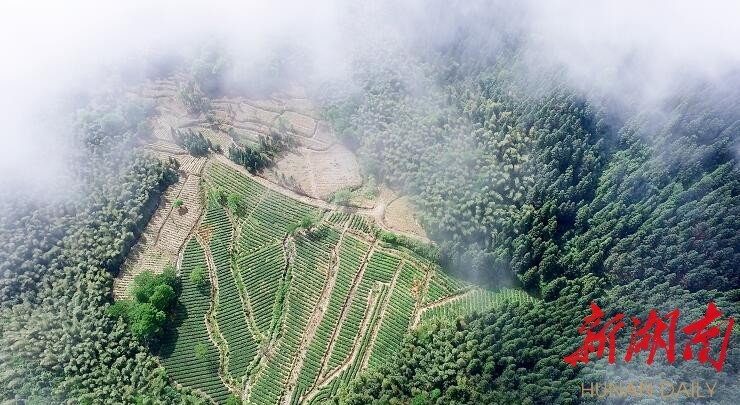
(373, 300)
(214, 333)
(346, 307)
(374, 333)
(442, 301)
(377, 213)
(246, 302)
(268, 350)
(314, 320)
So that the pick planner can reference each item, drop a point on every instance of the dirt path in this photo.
(268, 350)
(345, 308)
(246, 303)
(442, 301)
(314, 320)
(381, 316)
(214, 333)
(170, 209)
(376, 213)
(264, 113)
(373, 300)
(421, 292)
(400, 215)
(152, 244)
(243, 294)
(312, 174)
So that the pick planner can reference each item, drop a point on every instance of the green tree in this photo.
(146, 320)
(162, 297)
(217, 196)
(120, 308)
(200, 351)
(341, 197)
(235, 203)
(198, 277)
(308, 221)
(233, 400)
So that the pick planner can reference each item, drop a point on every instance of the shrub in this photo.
(194, 142)
(341, 196)
(234, 202)
(198, 277)
(153, 295)
(145, 320)
(163, 296)
(200, 350)
(428, 251)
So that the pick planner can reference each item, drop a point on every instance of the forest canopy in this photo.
(571, 186)
(558, 192)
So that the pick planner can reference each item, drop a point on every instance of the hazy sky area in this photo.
(634, 51)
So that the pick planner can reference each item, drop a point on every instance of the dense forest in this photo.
(521, 181)
(57, 260)
(557, 193)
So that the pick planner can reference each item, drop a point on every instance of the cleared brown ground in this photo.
(165, 234)
(399, 215)
(317, 167)
(317, 173)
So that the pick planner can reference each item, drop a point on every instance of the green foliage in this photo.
(371, 188)
(256, 158)
(426, 250)
(207, 70)
(187, 335)
(200, 350)
(56, 263)
(145, 320)
(292, 228)
(153, 296)
(163, 297)
(178, 203)
(120, 308)
(193, 141)
(473, 360)
(108, 124)
(146, 284)
(308, 221)
(194, 100)
(198, 277)
(277, 281)
(216, 196)
(341, 197)
(233, 400)
(283, 125)
(543, 186)
(252, 158)
(235, 204)
(554, 190)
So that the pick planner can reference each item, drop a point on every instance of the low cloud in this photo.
(635, 52)
(55, 53)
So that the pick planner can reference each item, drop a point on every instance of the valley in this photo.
(292, 313)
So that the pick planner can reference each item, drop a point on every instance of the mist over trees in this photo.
(564, 192)
(524, 171)
(57, 262)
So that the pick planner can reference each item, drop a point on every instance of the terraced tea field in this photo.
(290, 314)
